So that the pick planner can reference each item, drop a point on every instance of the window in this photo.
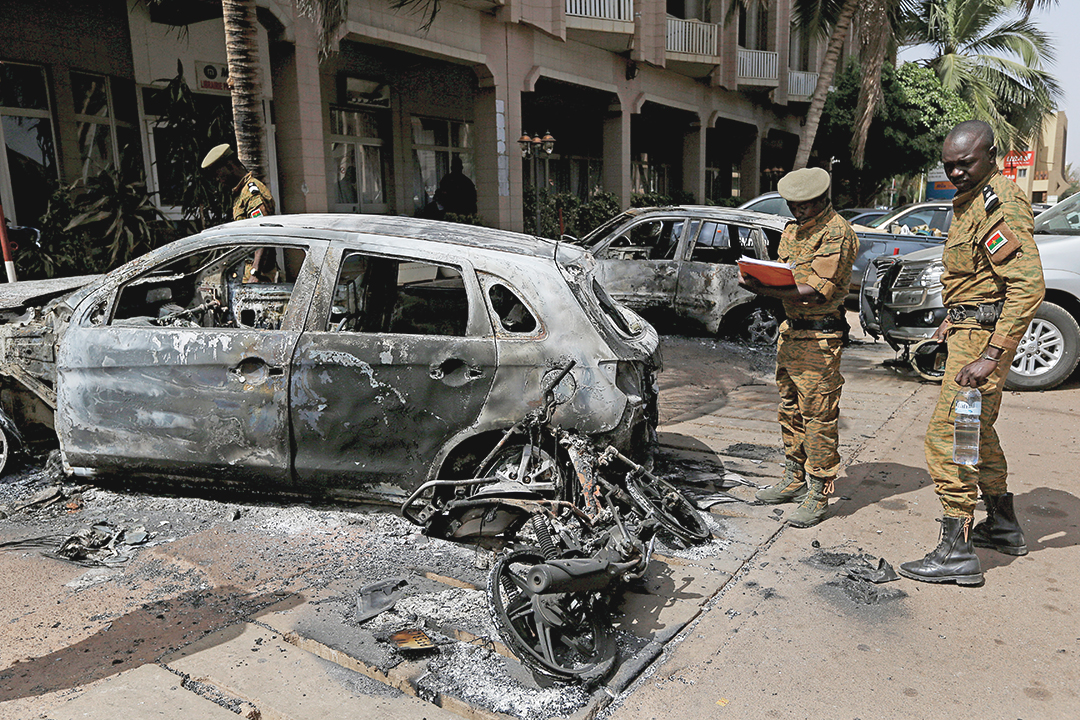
(1022, 172)
(649, 177)
(104, 139)
(648, 240)
(513, 314)
(165, 176)
(28, 169)
(386, 295)
(232, 287)
(722, 243)
(435, 144)
(355, 174)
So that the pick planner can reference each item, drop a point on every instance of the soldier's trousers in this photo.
(808, 377)
(958, 485)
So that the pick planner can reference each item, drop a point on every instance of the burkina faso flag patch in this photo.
(995, 242)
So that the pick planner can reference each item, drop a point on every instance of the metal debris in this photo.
(101, 545)
(378, 596)
(883, 573)
(412, 639)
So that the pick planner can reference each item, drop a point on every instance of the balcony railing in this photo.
(691, 36)
(602, 9)
(801, 85)
(759, 66)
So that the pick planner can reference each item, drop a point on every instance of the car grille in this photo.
(909, 273)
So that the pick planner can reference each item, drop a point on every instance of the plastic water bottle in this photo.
(966, 427)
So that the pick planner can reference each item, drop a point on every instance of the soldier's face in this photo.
(968, 160)
(804, 211)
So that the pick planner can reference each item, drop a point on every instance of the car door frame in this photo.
(628, 280)
(125, 402)
(708, 292)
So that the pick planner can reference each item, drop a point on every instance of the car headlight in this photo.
(931, 274)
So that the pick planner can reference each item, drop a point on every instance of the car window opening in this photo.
(234, 287)
(384, 295)
(513, 315)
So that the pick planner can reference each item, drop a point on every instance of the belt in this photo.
(830, 323)
(983, 313)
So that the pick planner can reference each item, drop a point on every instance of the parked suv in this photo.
(681, 262)
(367, 354)
(901, 301)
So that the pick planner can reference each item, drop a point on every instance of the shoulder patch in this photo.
(1000, 243)
(990, 198)
(253, 188)
(257, 212)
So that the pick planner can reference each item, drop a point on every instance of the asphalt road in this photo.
(241, 605)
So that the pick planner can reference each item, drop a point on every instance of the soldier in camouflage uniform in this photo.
(251, 198)
(820, 246)
(993, 284)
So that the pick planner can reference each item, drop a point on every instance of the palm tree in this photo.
(822, 18)
(245, 83)
(994, 58)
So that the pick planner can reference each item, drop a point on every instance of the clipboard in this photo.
(768, 272)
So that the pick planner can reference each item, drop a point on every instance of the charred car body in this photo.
(680, 262)
(354, 355)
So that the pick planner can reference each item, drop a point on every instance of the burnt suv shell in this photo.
(353, 354)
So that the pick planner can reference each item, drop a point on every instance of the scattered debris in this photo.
(378, 596)
(101, 545)
(883, 573)
(412, 639)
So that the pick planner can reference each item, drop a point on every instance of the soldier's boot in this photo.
(791, 489)
(1000, 530)
(953, 560)
(814, 507)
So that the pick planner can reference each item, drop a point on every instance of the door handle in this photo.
(255, 371)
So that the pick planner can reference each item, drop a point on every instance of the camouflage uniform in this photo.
(990, 256)
(253, 199)
(808, 361)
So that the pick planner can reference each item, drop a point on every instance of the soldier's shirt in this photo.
(821, 252)
(991, 256)
(253, 199)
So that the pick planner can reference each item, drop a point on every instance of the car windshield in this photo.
(886, 218)
(603, 230)
(1062, 219)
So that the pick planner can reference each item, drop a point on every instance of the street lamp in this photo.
(536, 147)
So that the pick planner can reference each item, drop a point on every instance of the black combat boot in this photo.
(1000, 530)
(953, 560)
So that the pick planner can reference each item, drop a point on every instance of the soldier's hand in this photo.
(975, 373)
(749, 282)
(941, 331)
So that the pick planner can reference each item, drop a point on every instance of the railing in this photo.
(691, 36)
(758, 65)
(602, 9)
(801, 84)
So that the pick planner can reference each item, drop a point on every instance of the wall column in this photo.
(617, 166)
(694, 161)
(301, 142)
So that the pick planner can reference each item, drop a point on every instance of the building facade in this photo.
(680, 96)
(1040, 170)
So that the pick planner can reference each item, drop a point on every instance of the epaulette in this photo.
(990, 199)
(253, 188)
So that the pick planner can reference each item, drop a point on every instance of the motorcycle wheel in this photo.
(660, 499)
(557, 635)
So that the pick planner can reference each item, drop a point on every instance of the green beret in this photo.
(217, 154)
(804, 185)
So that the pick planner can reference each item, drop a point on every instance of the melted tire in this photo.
(662, 500)
(559, 635)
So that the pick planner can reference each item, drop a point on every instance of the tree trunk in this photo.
(242, 50)
(825, 79)
(874, 35)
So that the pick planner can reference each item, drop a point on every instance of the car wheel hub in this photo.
(1040, 350)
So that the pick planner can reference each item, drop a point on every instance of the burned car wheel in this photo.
(661, 500)
(761, 326)
(1049, 351)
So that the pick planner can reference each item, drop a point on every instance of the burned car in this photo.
(680, 262)
(347, 354)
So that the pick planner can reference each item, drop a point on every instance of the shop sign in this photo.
(212, 77)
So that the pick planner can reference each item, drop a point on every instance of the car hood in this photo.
(924, 255)
(28, 293)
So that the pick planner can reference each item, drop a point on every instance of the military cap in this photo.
(218, 153)
(804, 185)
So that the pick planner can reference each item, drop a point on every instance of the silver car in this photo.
(901, 301)
(347, 354)
(680, 262)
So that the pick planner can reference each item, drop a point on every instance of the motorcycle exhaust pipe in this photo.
(575, 575)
